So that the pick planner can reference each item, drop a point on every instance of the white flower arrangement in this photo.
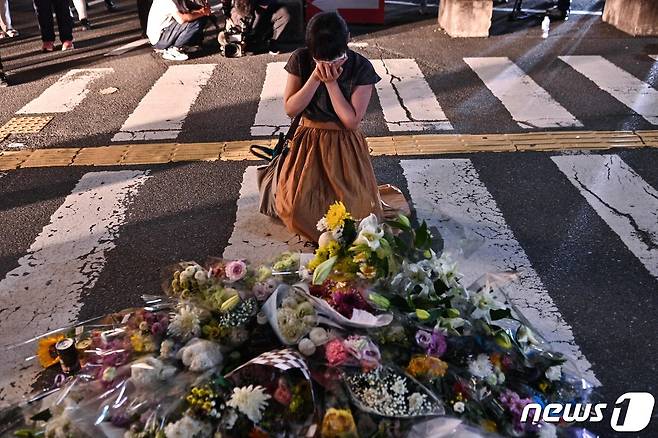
(481, 367)
(554, 373)
(186, 323)
(187, 427)
(250, 400)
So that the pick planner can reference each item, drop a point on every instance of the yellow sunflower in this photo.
(336, 215)
(46, 350)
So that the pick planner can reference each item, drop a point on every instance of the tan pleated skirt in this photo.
(328, 163)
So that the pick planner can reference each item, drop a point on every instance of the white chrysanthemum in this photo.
(459, 407)
(250, 400)
(481, 367)
(187, 427)
(186, 323)
(416, 401)
(399, 387)
(554, 373)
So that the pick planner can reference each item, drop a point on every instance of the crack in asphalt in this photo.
(643, 235)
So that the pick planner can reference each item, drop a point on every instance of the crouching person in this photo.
(172, 27)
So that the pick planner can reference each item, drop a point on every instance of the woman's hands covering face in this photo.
(329, 71)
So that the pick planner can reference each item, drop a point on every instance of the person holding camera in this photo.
(329, 160)
(173, 26)
(259, 24)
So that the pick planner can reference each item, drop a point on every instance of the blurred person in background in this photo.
(44, 10)
(6, 29)
(173, 27)
(81, 9)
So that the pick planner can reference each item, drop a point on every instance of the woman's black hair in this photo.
(327, 35)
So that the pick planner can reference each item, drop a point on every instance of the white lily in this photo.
(370, 233)
(413, 275)
(484, 302)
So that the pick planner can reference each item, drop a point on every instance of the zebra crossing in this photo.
(405, 97)
(61, 268)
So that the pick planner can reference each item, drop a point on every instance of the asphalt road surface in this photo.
(580, 228)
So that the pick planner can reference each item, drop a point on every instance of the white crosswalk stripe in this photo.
(161, 113)
(621, 198)
(529, 104)
(256, 237)
(43, 293)
(408, 102)
(623, 86)
(449, 195)
(65, 94)
(271, 117)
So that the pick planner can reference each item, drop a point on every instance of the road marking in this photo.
(43, 293)
(543, 11)
(528, 103)
(256, 237)
(161, 113)
(65, 94)
(128, 47)
(271, 117)
(627, 203)
(408, 102)
(448, 194)
(626, 88)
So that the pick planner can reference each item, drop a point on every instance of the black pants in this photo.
(44, 10)
(564, 5)
(179, 35)
(2, 71)
(143, 8)
(268, 27)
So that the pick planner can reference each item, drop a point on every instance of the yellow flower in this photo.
(427, 366)
(230, 303)
(422, 314)
(46, 350)
(137, 343)
(338, 423)
(333, 248)
(361, 257)
(368, 272)
(336, 215)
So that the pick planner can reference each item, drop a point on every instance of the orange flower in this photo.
(489, 426)
(46, 350)
(338, 423)
(427, 366)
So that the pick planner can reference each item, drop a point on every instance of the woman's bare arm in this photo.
(297, 97)
(350, 112)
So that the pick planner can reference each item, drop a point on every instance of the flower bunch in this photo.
(295, 317)
(344, 297)
(427, 367)
(386, 392)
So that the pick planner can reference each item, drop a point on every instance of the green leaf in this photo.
(423, 238)
(321, 273)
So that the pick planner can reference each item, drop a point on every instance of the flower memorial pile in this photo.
(374, 336)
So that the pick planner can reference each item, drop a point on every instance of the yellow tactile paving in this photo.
(24, 125)
(404, 145)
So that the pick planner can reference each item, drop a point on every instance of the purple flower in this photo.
(423, 339)
(433, 343)
(437, 345)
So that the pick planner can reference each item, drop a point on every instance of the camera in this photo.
(232, 43)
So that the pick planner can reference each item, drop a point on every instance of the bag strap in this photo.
(262, 152)
(293, 126)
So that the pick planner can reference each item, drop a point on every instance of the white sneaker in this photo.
(174, 54)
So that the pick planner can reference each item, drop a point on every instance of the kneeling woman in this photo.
(328, 160)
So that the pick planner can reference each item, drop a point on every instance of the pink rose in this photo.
(236, 270)
(336, 352)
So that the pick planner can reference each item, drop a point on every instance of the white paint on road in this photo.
(623, 86)
(65, 94)
(271, 117)
(627, 203)
(408, 102)
(161, 113)
(43, 293)
(528, 103)
(654, 57)
(256, 237)
(449, 195)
